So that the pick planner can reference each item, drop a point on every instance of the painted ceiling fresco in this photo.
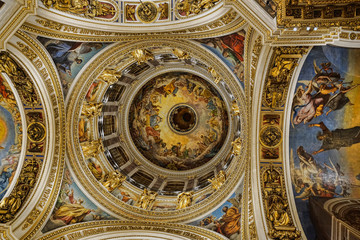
(226, 218)
(230, 49)
(72, 206)
(70, 57)
(178, 121)
(10, 136)
(325, 129)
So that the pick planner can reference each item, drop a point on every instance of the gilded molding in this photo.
(22, 11)
(324, 13)
(49, 77)
(274, 196)
(28, 177)
(276, 204)
(77, 231)
(226, 24)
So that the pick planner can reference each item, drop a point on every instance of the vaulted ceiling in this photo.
(187, 119)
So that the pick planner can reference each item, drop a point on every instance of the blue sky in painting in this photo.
(303, 135)
(10, 139)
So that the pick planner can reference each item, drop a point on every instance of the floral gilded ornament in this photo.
(189, 7)
(285, 59)
(92, 9)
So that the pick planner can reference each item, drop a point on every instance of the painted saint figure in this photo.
(229, 223)
(337, 138)
(72, 213)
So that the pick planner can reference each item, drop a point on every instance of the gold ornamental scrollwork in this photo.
(180, 54)
(276, 205)
(147, 12)
(189, 7)
(142, 55)
(218, 180)
(90, 110)
(236, 146)
(92, 148)
(270, 136)
(83, 8)
(284, 61)
(10, 205)
(110, 76)
(113, 180)
(21, 81)
(36, 132)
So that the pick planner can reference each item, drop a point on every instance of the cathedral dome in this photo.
(178, 121)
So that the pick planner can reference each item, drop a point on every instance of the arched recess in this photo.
(126, 230)
(38, 184)
(334, 162)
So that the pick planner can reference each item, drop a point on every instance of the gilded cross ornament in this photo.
(147, 12)
(36, 132)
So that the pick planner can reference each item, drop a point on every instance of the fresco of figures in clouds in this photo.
(72, 206)
(10, 136)
(230, 49)
(325, 129)
(70, 57)
(151, 131)
(225, 220)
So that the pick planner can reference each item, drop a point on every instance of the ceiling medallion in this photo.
(270, 136)
(147, 12)
(36, 132)
(182, 119)
(178, 121)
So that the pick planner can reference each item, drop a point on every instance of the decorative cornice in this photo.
(13, 14)
(82, 230)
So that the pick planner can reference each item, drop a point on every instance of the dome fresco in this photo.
(178, 121)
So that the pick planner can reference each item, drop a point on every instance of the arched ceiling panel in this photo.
(323, 131)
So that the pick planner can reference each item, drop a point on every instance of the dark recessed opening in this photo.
(187, 117)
